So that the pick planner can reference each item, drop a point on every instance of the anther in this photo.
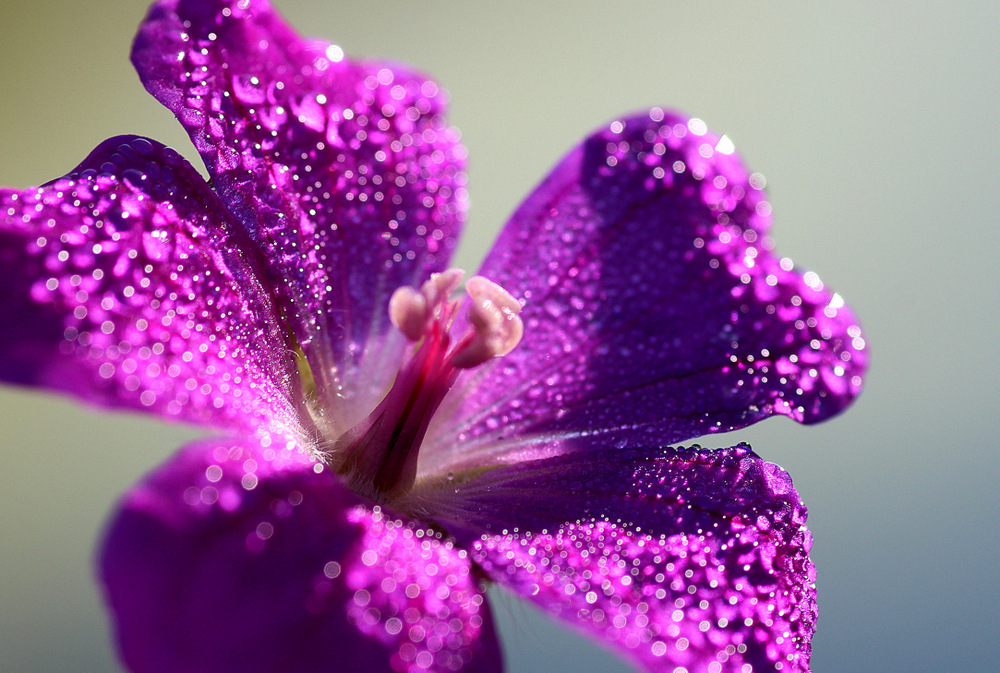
(413, 311)
(497, 328)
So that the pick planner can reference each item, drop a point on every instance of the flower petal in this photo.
(234, 557)
(655, 311)
(677, 558)
(345, 173)
(127, 283)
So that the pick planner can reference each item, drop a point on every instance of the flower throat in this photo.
(378, 456)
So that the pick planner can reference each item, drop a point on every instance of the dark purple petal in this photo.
(127, 283)
(655, 311)
(345, 173)
(676, 557)
(235, 558)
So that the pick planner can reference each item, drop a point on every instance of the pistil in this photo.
(378, 456)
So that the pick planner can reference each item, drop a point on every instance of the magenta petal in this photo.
(655, 311)
(234, 558)
(127, 283)
(346, 174)
(676, 557)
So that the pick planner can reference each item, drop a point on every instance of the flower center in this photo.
(378, 456)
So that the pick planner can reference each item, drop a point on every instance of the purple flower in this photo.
(384, 449)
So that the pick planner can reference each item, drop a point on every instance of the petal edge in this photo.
(674, 557)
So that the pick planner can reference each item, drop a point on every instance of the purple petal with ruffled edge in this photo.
(654, 312)
(127, 283)
(234, 557)
(345, 173)
(675, 557)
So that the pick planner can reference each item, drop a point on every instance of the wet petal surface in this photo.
(234, 557)
(128, 283)
(654, 311)
(676, 557)
(345, 173)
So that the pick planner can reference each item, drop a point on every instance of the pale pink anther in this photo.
(412, 311)
(497, 327)
(440, 287)
(408, 312)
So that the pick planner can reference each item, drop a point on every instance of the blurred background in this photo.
(876, 125)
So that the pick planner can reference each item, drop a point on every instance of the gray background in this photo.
(876, 126)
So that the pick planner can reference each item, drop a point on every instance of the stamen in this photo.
(378, 456)
(408, 312)
(497, 327)
(441, 286)
(413, 311)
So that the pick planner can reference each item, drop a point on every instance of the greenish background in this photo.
(876, 125)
